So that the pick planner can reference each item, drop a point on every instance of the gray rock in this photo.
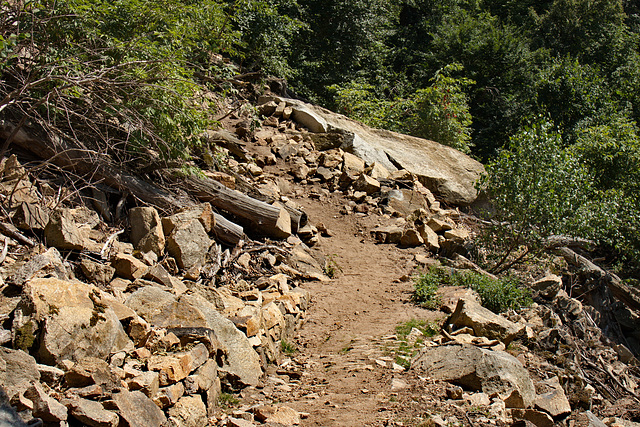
(8, 415)
(44, 406)
(484, 322)
(390, 234)
(50, 374)
(138, 410)
(478, 369)
(162, 309)
(188, 244)
(91, 413)
(201, 212)
(309, 118)
(17, 371)
(49, 264)
(189, 411)
(75, 323)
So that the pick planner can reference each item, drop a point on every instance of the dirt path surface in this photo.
(348, 334)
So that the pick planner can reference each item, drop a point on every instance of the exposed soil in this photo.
(350, 325)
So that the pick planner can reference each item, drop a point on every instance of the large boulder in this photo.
(484, 322)
(447, 172)
(478, 369)
(75, 322)
(162, 309)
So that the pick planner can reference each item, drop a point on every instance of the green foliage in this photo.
(425, 287)
(439, 112)
(429, 329)
(496, 295)
(227, 400)
(287, 348)
(24, 338)
(539, 189)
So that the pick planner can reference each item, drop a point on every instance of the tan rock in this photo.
(352, 165)
(367, 184)
(129, 267)
(552, 398)
(484, 322)
(44, 406)
(177, 366)
(285, 416)
(146, 230)
(138, 410)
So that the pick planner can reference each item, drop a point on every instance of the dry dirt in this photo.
(350, 326)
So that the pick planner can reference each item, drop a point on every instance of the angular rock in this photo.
(458, 235)
(18, 370)
(390, 234)
(411, 238)
(31, 217)
(405, 201)
(50, 374)
(189, 411)
(160, 275)
(484, 322)
(552, 400)
(548, 287)
(91, 370)
(69, 228)
(377, 171)
(285, 416)
(146, 230)
(429, 236)
(97, 273)
(91, 413)
(168, 396)
(177, 366)
(439, 225)
(301, 260)
(478, 369)
(147, 382)
(352, 165)
(309, 118)
(75, 322)
(201, 212)
(188, 244)
(138, 410)
(367, 184)
(537, 418)
(128, 266)
(161, 309)
(44, 406)
(49, 264)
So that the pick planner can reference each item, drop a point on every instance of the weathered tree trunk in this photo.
(627, 295)
(227, 231)
(266, 219)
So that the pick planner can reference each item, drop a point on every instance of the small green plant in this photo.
(331, 267)
(428, 329)
(287, 348)
(425, 286)
(24, 337)
(497, 295)
(227, 400)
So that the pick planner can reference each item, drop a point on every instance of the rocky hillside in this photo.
(267, 290)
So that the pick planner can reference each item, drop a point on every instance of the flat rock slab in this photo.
(478, 369)
(138, 410)
(447, 172)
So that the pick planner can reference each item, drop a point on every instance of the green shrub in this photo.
(425, 286)
(497, 295)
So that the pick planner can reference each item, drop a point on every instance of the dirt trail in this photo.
(349, 322)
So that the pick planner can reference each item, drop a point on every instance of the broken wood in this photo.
(627, 295)
(227, 231)
(97, 166)
(227, 140)
(263, 218)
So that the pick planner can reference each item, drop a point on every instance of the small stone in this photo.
(129, 267)
(411, 238)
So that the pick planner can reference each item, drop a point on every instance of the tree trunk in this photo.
(266, 219)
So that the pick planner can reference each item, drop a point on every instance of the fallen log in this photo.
(227, 231)
(627, 295)
(262, 217)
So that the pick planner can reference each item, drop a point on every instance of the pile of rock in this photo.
(548, 377)
(313, 151)
(136, 331)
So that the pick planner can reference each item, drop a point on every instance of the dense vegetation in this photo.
(547, 93)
